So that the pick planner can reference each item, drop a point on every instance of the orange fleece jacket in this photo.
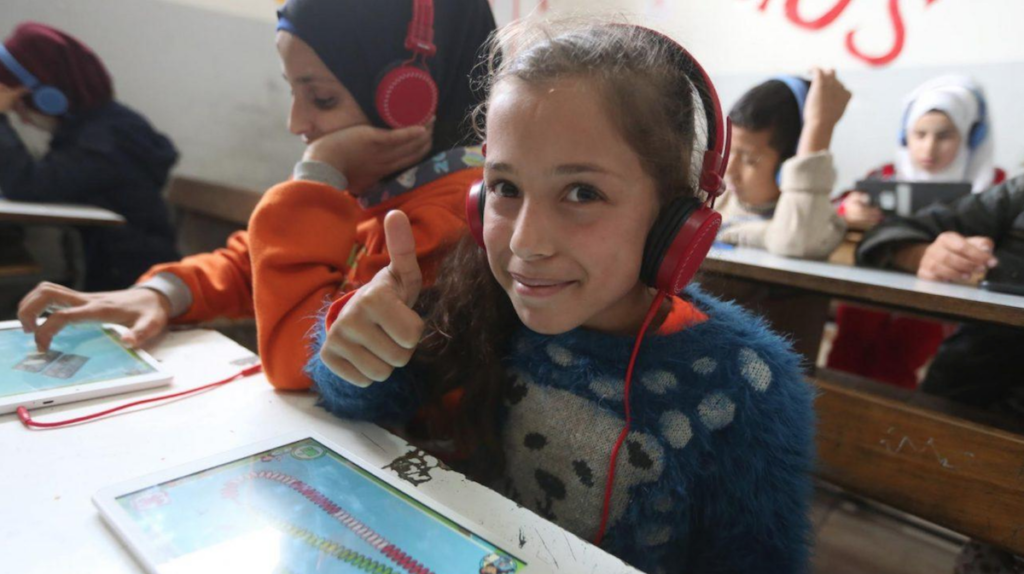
(310, 242)
(220, 282)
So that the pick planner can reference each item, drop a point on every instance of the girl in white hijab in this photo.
(945, 136)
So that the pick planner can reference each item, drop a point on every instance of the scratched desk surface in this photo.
(50, 476)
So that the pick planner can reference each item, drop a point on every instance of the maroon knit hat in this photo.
(61, 61)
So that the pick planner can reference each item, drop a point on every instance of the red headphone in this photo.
(406, 94)
(685, 229)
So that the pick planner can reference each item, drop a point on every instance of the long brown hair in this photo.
(648, 94)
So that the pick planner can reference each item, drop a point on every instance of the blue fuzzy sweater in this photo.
(714, 475)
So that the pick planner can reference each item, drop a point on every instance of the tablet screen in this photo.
(301, 508)
(80, 354)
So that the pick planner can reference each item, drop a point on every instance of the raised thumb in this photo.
(404, 267)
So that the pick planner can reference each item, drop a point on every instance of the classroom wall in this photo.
(744, 42)
(206, 71)
(210, 79)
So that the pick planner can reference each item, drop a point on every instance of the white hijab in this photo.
(955, 96)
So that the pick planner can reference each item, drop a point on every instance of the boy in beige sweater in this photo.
(780, 171)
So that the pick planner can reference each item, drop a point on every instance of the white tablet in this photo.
(84, 361)
(296, 504)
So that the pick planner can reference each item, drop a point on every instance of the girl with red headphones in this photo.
(685, 450)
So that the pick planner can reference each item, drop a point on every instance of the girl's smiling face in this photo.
(568, 208)
(320, 103)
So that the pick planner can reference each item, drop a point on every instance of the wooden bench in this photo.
(226, 203)
(207, 213)
(949, 464)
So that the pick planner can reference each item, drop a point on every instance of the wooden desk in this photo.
(884, 288)
(927, 460)
(57, 214)
(49, 522)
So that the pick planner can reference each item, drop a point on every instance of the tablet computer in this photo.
(905, 198)
(297, 504)
(85, 360)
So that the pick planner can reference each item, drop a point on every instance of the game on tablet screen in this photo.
(79, 355)
(302, 508)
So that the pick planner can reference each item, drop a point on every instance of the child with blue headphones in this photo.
(782, 174)
(944, 136)
(685, 450)
(101, 152)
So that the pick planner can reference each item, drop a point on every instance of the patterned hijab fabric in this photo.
(425, 172)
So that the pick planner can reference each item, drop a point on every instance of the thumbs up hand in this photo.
(377, 330)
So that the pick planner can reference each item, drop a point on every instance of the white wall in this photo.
(740, 46)
(206, 72)
(208, 79)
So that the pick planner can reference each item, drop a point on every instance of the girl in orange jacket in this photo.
(321, 232)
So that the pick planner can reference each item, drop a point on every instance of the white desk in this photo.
(57, 214)
(886, 288)
(49, 523)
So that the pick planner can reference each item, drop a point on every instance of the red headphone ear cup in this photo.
(677, 244)
(406, 96)
(688, 250)
(475, 199)
(670, 219)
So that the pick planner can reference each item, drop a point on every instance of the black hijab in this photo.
(360, 39)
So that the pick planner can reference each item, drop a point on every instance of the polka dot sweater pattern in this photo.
(714, 475)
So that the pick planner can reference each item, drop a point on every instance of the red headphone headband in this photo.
(406, 93)
(420, 37)
(716, 158)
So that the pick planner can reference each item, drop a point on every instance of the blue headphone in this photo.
(975, 137)
(47, 99)
(799, 87)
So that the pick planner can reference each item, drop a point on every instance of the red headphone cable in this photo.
(606, 508)
(26, 418)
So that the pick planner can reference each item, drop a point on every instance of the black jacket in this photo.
(997, 213)
(112, 158)
(981, 363)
